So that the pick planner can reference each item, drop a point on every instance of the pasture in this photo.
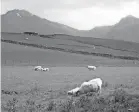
(24, 89)
(102, 46)
(17, 55)
(48, 90)
(18, 78)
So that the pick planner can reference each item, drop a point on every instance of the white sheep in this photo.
(45, 69)
(73, 91)
(91, 67)
(36, 68)
(91, 86)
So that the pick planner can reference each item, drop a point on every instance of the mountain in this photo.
(97, 32)
(126, 29)
(22, 20)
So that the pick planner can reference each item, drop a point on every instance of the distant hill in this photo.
(21, 21)
(126, 29)
(74, 44)
(97, 32)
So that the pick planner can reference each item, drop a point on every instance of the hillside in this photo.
(74, 44)
(127, 29)
(97, 32)
(19, 21)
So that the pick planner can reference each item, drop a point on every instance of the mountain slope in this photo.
(127, 29)
(18, 21)
(21, 21)
(97, 32)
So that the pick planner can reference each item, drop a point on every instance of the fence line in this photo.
(21, 62)
(42, 63)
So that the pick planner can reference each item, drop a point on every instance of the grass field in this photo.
(60, 77)
(23, 55)
(34, 91)
(120, 48)
(44, 88)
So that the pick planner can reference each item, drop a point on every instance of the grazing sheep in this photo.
(91, 67)
(36, 68)
(99, 83)
(45, 69)
(73, 91)
(93, 85)
(40, 68)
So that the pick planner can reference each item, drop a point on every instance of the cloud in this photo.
(63, 4)
(87, 18)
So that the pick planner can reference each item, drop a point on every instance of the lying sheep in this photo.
(36, 68)
(40, 68)
(45, 69)
(91, 67)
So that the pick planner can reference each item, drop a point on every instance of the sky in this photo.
(79, 14)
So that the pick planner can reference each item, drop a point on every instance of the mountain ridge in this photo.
(22, 18)
(19, 21)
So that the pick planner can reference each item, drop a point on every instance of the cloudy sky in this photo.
(80, 14)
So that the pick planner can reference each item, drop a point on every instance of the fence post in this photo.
(29, 62)
(13, 62)
(20, 62)
(5, 62)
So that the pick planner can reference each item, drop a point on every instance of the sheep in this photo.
(45, 69)
(73, 91)
(36, 68)
(91, 67)
(99, 82)
(93, 85)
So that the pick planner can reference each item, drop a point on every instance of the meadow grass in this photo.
(36, 100)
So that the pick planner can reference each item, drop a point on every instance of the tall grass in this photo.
(117, 101)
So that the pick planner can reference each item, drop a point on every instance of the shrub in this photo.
(84, 102)
(105, 85)
(30, 105)
(120, 96)
(117, 101)
(66, 106)
(11, 105)
(51, 106)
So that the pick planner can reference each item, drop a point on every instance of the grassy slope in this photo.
(80, 44)
(22, 55)
(108, 43)
(59, 79)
